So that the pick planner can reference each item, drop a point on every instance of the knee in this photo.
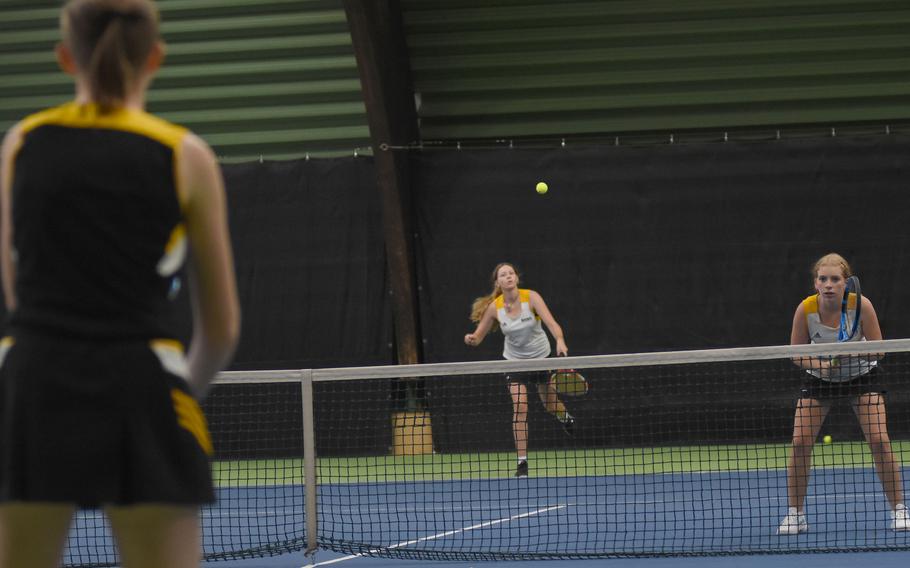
(879, 442)
(802, 443)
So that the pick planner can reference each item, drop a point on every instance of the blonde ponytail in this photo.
(109, 71)
(480, 305)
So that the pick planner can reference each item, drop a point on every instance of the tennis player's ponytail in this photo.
(480, 306)
(110, 41)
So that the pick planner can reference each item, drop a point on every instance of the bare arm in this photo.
(871, 328)
(7, 262)
(213, 289)
(483, 328)
(799, 335)
(541, 309)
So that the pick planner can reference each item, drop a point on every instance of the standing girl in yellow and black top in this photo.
(817, 320)
(519, 314)
(101, 204)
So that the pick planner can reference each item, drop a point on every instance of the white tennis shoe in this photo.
(900, 518)
(794, 523)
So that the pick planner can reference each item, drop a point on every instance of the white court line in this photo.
(445, 534)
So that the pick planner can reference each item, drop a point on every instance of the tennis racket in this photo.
(569, 382)
(851, 310)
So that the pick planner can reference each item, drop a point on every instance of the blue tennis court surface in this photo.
(658, 514)
(258, 518)
(710, 513)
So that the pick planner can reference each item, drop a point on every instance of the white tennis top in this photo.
(525, 337)
(851, 367)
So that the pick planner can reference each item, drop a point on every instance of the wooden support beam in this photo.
(385, 78)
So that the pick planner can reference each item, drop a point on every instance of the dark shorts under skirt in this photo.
(528, 378)
(819, 389)
(98, 423)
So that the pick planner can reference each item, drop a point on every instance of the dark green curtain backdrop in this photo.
(661, 247)
(307, 238)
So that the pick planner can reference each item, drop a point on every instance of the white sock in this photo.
(522, 459)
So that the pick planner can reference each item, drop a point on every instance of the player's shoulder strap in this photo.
(500, 302)
(524, 296)
(810, 304)
(89, 116)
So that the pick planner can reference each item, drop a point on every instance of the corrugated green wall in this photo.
(271, 78)
(278, 79)
(510, 68)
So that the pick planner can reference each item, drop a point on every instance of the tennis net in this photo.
(674, 453)
(257, 430)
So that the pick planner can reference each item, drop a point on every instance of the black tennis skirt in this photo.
(529, 378)
(819, 389)
(98, 423)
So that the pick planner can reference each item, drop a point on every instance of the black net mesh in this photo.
(657, 458)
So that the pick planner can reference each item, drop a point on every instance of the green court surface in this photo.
(550, 463)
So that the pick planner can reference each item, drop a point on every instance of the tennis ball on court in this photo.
(826, 439)
(542, 187)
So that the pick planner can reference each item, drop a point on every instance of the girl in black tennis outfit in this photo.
(101, 205)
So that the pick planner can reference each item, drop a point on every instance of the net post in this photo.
(309, 459)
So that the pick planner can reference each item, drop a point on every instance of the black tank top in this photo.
(97, 221)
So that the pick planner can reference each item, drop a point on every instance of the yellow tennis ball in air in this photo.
(826, 439)
(542, 187)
